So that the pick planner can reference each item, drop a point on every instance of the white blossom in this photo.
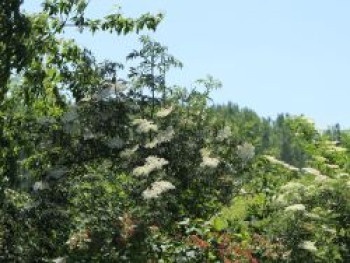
(60, 260)
(153, 163)
(88, 135)
(273, 160)
(144, 126)
(292, 186)
(162, 136)
(320, 158)
(333, 148)
(40, 185)
(294, 208)
(164, 112)
(224, 133)
(127, 153)
(308, 245)
(309, 170)
(332, 166)
(209, 162)
(157, 188)
(246, 151)
(321, 178)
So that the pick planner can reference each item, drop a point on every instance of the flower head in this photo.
(162, 136)
(127, 153)
(295, 208)
(208, 161)
(308, 245)
(224, 133)
(164, 112)
(144, 126)
(157, 188)
(246, 151)
(153, 163)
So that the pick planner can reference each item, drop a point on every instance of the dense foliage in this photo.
(96, 169)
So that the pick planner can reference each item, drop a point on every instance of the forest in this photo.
(95, 168)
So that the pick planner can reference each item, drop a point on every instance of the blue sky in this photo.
(272, 56)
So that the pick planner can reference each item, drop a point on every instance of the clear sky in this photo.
(272, 56)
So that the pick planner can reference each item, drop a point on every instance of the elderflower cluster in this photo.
(333, 148)
(208, 161)
(273, 160)
(292, 192)
(88, 134)
(332, 166)
(144, 126)
(224, 134)
(292, 186)
(309, 170)
(40, 185)
(162, 136)
(127, 153)
(308, 245)
(153, 163)
(295, 208)
(164, 112)
(246, 151)
(156, 189)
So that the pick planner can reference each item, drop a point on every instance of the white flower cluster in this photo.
(127, 153)
(162, 136)
(292, 193)
(332, 166)
(309, 170)
(40, 185)
(115, 143)
(164, 112)
(293, 187)
(308, 245)
(144, 126)
(334, 148)
(246, 151)
(156, 189)
(208, 161)
(60, 260)
(88, 134)
(318, 176)
(273, 160)
(224, 133)
(320, 158)
(295, 208)
(153, 163)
